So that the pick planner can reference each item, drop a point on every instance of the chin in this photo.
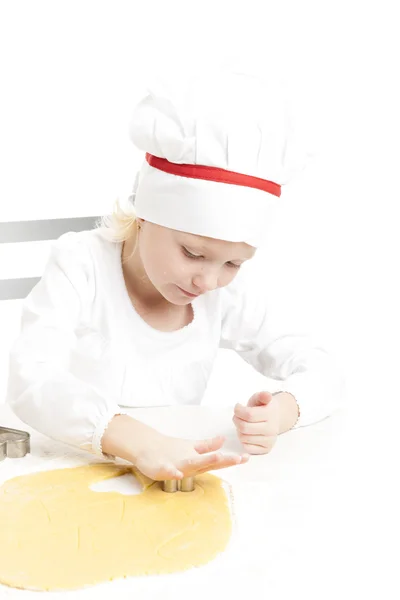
(174, 299)
(180, 301)
(185, 301)
(177, 298)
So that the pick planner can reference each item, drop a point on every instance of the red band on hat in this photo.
(213, 174)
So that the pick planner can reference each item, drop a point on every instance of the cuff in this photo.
(316, 397)
(298, 407)
(100, 429)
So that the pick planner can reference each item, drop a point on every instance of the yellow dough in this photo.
(57, 534)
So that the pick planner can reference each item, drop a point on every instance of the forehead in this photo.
(216, 247)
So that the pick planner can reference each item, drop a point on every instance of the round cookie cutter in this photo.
(14, 443)
(178, 485)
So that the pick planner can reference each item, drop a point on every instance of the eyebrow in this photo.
(201, 248)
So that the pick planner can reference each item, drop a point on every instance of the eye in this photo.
(189, 254)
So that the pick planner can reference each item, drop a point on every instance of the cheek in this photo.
(226, 276)
(150, 257)
(165, 265)
(168, 266)
(180, 267)
(183, 268)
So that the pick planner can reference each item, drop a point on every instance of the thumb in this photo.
(210, 445)
(260, 399)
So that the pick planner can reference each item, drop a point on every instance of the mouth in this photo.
(188, 294)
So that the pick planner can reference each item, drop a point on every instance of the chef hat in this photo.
(219, 145)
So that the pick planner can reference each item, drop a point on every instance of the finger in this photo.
(209, 461)
(253, 449)
(167, 471)
(251, 414)
(247, 428)
(244, 459)
(210, 445)
(256, 440)
(260, 399)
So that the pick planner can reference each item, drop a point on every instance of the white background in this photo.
(71, 73)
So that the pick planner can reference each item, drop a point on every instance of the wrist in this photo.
(289, 411)
(126, 437)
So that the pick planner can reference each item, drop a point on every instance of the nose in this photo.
(206, 281)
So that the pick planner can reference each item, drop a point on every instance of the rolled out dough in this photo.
(58, 534)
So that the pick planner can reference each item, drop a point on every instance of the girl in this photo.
(133, 312)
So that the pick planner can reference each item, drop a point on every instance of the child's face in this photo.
(177, 262)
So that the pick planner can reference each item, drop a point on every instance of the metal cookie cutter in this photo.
(14, 443)
(178, 485)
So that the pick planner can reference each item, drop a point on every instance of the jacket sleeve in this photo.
(277, 344)
(41, 389)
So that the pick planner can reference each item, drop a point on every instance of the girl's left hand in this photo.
(257, 424)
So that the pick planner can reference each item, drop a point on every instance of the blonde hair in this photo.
(120, 225)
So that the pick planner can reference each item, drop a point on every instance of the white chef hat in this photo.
(219, 145)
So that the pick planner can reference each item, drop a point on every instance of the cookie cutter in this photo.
(14, 443)
(178, 485)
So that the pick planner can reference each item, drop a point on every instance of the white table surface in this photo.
(302, 527)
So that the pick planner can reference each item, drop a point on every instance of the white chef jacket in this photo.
(83, 352)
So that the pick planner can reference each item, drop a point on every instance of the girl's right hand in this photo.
(174, 458)
(163, 457)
